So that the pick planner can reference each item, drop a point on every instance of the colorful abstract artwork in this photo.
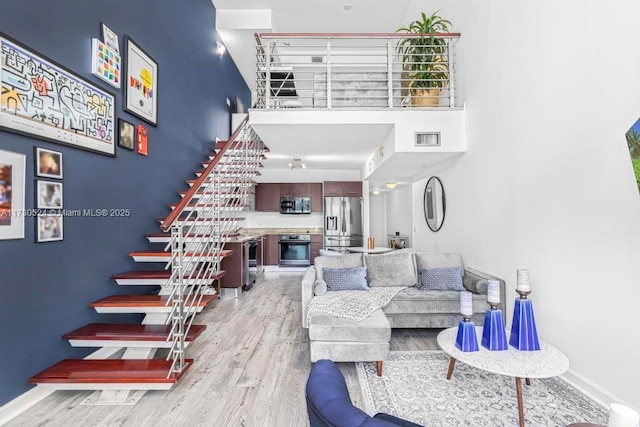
(45, 100)
(12, 178)
(141, 87)
(142, 140)
(105, 63)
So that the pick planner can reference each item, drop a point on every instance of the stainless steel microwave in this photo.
(295, 205)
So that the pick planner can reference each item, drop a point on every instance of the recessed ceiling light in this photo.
(375, 192)
(347, 6)
(391, 184)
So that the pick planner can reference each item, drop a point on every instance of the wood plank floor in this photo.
(251, 366)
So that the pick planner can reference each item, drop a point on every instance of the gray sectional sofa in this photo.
(344, 340)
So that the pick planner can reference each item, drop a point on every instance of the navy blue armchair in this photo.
(329, 404)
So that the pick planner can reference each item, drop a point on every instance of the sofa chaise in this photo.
(344, 340)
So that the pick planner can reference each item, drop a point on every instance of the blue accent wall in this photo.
(46, 287)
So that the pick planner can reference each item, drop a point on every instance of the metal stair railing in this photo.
(199, 233)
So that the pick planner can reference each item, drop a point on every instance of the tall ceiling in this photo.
(238, 21)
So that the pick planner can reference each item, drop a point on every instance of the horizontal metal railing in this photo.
(373, 70)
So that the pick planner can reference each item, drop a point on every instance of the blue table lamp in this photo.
(494, 336)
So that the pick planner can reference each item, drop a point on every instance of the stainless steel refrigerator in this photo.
(342, 222)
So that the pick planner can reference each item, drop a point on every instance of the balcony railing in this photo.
(362, 71)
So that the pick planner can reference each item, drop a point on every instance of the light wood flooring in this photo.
(251, 367)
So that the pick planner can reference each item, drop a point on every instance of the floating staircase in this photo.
(192, 236)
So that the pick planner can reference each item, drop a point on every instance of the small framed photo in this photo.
(142, 140)
(110, 38)
(48, 195)
(126, 134)
(49, 227)
(48, 163)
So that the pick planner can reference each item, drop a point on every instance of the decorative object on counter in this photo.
(494, 336)
(397, 241)
(466, 340)
(622, 416)
(524, 334)
(371, 243)
(141, 83)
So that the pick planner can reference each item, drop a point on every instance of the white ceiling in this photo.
(322, 146)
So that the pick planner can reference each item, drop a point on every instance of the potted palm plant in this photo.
(425, 59)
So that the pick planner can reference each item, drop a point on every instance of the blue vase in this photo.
(467, 339)
(494, 336)
(524, 335)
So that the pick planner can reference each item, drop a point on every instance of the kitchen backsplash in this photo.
(276, 219)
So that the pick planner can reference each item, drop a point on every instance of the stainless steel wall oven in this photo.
(294, 250)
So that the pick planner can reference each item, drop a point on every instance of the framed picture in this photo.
(39, 101)
(110, 38)
(141, 83)
(48, 195)
(49, 227)
(48, 163)
(142, 140)
(12, 213)
(126, 134)
(105, 63)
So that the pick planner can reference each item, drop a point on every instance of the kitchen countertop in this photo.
(247, 234)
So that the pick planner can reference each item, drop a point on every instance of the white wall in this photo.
(399, 212)
(547, 184)
(377, 219)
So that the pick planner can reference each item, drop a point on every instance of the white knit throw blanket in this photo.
(353, 305)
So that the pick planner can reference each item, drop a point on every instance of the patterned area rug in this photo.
(414, 386)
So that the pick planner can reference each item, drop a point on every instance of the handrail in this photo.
(351, 35)
(170, 219)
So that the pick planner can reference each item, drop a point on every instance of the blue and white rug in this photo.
(414, 386)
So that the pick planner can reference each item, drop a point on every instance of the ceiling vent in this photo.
(317, 59)
(427, 139)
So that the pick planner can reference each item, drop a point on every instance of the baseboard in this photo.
(594, 391)
(26, 400)
(15, 407)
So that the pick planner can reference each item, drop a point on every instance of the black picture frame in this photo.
(49, 227)
(54, 160)
(77, 130)
(126, 134)
(140, 100)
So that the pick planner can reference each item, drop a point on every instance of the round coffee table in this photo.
(544, 363)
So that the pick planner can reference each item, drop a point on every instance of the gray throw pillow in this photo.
(441, 279)
(395, 268)
(346, 279)
(319, 287)
(478, 286)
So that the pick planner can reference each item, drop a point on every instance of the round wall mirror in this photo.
(435, 205)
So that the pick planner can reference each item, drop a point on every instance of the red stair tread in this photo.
(144, 301)
(162, 274)
(128, 332)
(110, 371)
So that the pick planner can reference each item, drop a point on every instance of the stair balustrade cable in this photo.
(200, 225)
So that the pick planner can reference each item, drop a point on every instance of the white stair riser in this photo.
(167, 238)
(157, 282)
(144, 344)
(129, 310)
(103, 386)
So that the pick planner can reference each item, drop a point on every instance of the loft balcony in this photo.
(339, 100)
(356, 71)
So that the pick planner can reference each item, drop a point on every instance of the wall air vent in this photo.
(317, 59)
(427, 139)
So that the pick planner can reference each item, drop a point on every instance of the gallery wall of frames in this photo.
(102, 120)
